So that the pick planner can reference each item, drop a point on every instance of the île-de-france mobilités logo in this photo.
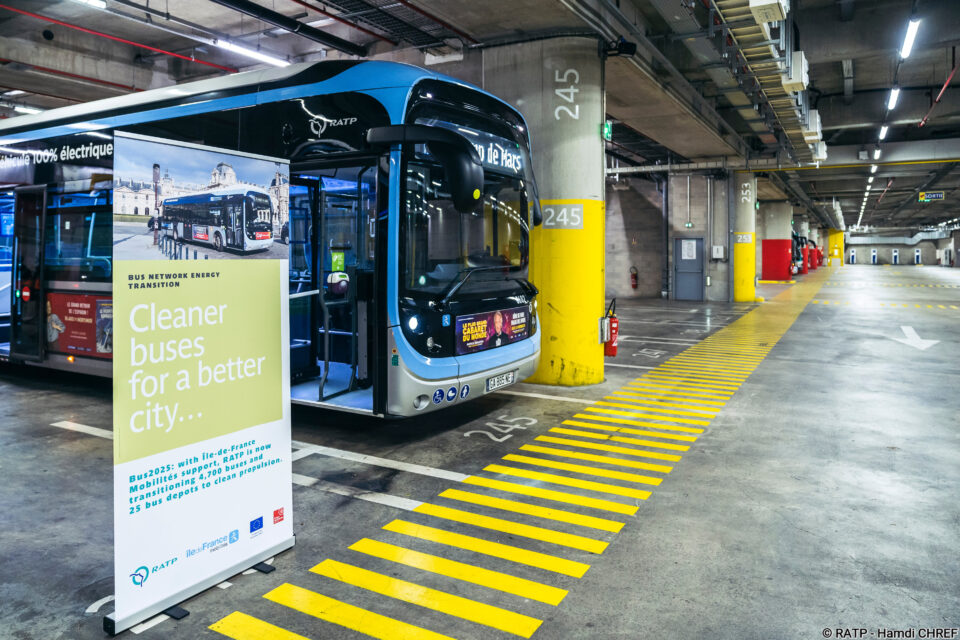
(140, 576)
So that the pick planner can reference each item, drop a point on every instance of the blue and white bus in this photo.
(411, 201)
(237, 218)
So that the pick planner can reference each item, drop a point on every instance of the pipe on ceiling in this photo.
(942, 89)
(74, 76)
(116, 39)
(254, 10)
(352, 25)
(433, 18)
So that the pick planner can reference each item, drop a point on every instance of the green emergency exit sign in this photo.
(608, 130)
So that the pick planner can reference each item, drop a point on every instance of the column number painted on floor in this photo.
(570, 78)
(503, 428)
(568, 216)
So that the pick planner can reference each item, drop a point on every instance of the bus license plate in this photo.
(262, 235)
(502, 380)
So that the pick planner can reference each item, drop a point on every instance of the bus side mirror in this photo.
(458, 156)
(464, 175)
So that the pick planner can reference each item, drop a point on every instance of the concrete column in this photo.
(744, 187)
(558, 86)
(774, 234)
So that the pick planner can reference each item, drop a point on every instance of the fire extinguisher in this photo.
(634, 277)
(610, 344)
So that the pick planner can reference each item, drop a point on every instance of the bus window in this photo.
(78, 244)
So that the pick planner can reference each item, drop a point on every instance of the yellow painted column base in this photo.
(744, 267)
(567, 265)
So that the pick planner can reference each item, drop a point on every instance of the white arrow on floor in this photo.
(912, 339)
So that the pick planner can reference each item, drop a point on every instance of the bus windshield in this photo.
(259, 215)
(442, 245)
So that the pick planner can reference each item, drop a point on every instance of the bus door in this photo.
(27, 312)
(233, 223)
(344, 263)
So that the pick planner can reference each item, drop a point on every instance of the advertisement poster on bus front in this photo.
(481, 331)
(201, 375)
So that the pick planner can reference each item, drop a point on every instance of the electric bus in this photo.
(411, 202)
(237, 218)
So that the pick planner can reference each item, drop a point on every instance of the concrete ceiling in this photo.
(666, 93)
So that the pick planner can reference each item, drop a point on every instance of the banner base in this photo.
(113, 625)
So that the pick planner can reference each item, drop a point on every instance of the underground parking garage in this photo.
(439, 320)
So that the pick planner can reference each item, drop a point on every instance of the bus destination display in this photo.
(482, 331)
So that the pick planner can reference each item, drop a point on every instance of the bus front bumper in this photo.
(410, 395)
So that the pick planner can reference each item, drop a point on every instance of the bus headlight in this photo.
(413, 323)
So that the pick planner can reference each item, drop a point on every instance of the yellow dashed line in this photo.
(584, 469)
(347, 615)
(550, 494)
(461, 571)
(536, 511)
(578, 455)
(552, 478)
(485, 614)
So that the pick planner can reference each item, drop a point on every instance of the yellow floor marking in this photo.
(347, 615)
(727, 360)
(816, 302)
(627, 430)
(461, 571)
(941, 306)
(240, 626)
(638, 414)
(690, 391)
(590, 485)
(713, 408)
(917, 306)
(549, 494)
(689, 381)
(678, 396)
(492, 549)
(703, 379)
(638, 423)
(514, 528)
(953, 306)
(702, 372)
(929, 306)
(744, 370)
(577, 455)
(612, 449)
(485, 614)
(547, 513)
(674, 412)
(636, 441)
(584, 469)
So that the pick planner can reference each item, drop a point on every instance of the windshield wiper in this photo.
(463, 276)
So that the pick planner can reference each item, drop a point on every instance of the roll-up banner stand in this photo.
(201, 411)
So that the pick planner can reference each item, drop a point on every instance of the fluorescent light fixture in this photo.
(876, 153)
(883, 134)
(27, 110)
(894, 96)
(909, 38)
(873, 168)
(13, 92)
(870, 180)
(868, 189)
(250, 53)
(98, 4)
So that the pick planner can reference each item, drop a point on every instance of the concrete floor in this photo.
(822, 495)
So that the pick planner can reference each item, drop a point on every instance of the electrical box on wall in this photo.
(718, 252)
(768, 10)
